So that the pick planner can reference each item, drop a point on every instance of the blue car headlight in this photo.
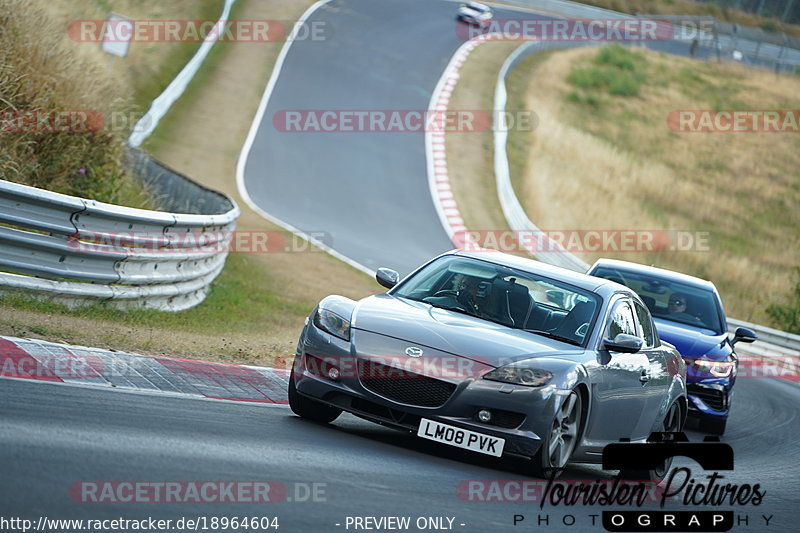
(520, 373)
(334, 324)
(719, 369)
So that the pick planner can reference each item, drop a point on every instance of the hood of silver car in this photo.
(422, 325)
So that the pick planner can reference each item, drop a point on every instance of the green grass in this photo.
(147, 87)
(164, 133)
(616, 71)
(786, 316)
(257, 305)
(237, 303)
(742, 188)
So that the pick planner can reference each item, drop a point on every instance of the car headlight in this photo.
(720, 369)
(520, 374)
(334, 324)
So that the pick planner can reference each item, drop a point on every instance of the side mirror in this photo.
(623, 343)
(744, 335)
(387, 277)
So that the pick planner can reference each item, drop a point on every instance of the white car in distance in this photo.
(475, 13)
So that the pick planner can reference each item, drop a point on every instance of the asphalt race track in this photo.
(365, 194)
(369, 193)
(52, 436)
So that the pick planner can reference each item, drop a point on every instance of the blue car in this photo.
(688, 314)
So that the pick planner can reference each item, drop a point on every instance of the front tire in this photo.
(305, 407)
(560, 441)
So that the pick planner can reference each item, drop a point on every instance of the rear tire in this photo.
(673, 422)
(560, 442)
(305, 407)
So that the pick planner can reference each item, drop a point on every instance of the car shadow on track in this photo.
(410, 443)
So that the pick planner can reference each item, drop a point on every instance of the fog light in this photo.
(484, 415)
(333, 373)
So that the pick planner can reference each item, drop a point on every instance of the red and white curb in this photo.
(436, 150)
(48, 361)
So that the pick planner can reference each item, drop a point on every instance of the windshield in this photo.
(478, 7)
(511, 297)
(668, 299)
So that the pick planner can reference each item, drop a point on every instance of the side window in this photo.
(648, 332)
(621, 320)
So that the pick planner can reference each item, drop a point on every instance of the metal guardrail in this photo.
(769, 335)
(732, 42)
(512, 210)
(778, 51)
(76, 251)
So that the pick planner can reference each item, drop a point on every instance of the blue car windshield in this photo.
(505, 295)
(669, 299)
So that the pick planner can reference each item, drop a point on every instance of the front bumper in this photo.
(711, 398)
(459, 411)
(520, 414)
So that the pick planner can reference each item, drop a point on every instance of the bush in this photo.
(624, 85)
(590, 99)
(615, 69)
(620, 57)
(770, 26)
(787, 317)
(42, 71)
(590, 77)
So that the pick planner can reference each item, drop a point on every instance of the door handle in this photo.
(645, 377)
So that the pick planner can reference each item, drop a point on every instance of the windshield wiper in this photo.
(461, 310)
(552, 335)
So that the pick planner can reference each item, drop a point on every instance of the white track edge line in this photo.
(251, 135)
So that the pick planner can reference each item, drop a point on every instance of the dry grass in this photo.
(612, 163)
(149, 66)
(257, 306)
(34, 79)
(183, 143)
(42, 70)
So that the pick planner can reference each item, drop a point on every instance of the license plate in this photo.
(461, 438)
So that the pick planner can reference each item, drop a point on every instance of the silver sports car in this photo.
(496, 354)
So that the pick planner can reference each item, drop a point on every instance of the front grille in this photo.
(402, 386)
(390, 415)
(714, 398)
